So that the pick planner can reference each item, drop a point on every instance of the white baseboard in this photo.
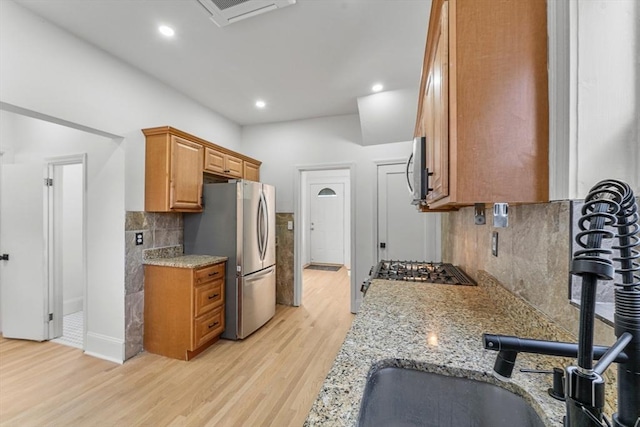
(73, 305)
(104, 347)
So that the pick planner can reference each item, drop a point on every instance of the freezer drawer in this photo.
(256, 300)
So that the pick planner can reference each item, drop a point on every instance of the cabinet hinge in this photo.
(48, 182)
(50, 317)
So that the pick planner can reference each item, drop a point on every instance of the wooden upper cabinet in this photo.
(251, 171)
(185, 188)
(222, 163)
(173, 174)
(175, 162)
(484, 104)
(437, 98)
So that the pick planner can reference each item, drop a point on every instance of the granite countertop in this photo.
(186, 261)
(172, 256)
(436, 328)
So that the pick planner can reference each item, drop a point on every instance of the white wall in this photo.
(283, 147)
(594, 95)
(47, 71)
(608, 92)
(33, 141)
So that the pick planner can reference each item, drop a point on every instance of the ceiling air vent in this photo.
(225, 12)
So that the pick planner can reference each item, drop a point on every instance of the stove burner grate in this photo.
(416, 271)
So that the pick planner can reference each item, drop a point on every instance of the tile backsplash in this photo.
(284, 259)
(159, 230)
(533, 257)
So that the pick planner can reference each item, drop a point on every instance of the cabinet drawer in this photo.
(210, 273)
(208, 296)
(208, 326)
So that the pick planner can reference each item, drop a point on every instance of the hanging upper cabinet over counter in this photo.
(175, 164)
(483, 103)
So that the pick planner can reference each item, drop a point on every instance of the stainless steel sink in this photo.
(406, 397)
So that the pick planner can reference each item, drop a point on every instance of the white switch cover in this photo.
(289, 225)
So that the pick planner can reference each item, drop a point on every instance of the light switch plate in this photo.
(501, 215)
(289, 225)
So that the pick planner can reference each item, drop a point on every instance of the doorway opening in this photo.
(324, 232)
(67, 250)
(403, 232)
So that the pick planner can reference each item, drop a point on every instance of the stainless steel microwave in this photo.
(417, 171)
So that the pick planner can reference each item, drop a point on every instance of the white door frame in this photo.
(55, 286)
(297, 232)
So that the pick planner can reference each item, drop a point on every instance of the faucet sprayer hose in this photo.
(609, 206)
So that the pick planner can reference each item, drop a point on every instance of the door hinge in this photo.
(50, 317)
(48, 182)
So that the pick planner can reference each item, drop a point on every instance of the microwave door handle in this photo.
(409, 186)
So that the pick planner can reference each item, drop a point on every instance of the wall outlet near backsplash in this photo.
(494, 243)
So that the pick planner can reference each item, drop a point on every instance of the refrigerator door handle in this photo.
(259, 217)
(265, 212)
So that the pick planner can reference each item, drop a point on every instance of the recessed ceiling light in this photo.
(166, 31)
(260, 103)
(377, 87)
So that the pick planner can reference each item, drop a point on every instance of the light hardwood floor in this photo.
(269, 379)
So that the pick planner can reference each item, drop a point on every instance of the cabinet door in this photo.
(186, 174)
(213, 161)
(438, 94)
(251, 171)
(233, 166)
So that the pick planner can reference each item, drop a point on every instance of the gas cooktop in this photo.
(418, 271)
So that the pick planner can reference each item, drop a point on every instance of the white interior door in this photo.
(327, 223)
(404, 233)
(23, 278)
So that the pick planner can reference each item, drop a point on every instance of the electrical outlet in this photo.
(494, 243)
(139, 240)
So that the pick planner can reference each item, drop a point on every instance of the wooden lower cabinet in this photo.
(183, 309)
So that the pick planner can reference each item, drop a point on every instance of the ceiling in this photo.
(312, 59)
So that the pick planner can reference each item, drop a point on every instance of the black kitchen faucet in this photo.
(610, 210)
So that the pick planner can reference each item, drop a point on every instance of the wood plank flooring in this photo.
(269, 379)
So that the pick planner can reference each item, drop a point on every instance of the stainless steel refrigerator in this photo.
(238, 221)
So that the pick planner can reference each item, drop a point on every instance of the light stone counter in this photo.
(172, 256)
(186, 261)
(437, 328)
